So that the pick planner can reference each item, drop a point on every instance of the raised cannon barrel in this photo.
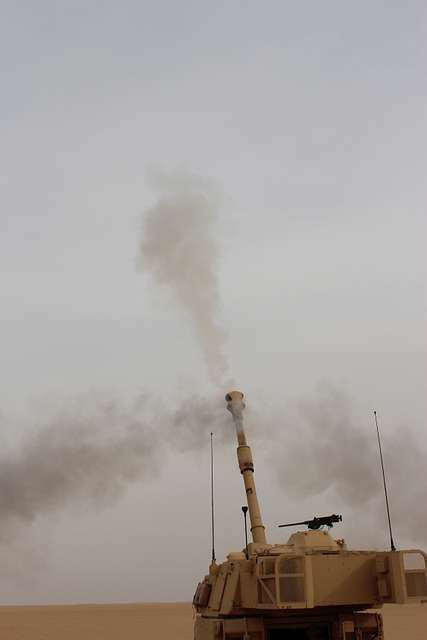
(236, 405)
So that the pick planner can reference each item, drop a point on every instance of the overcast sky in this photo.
(312, 119)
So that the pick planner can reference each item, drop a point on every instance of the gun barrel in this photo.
(316, 522)
(236, 405)
(294, 524)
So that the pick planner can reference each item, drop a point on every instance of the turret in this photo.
(236, 405)
(310, 587)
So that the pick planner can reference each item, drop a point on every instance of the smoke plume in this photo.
(329, 450)
(178, 249)
(93, 449)
(96, 445)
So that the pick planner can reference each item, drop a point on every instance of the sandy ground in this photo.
(152, 622)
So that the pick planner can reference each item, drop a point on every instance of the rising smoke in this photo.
(178, 249)
(330, 451)
(96, 445)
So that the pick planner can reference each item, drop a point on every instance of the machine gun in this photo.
(316, 523)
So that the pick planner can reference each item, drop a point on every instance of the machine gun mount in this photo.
(316, 522)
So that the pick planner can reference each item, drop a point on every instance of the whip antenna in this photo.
(392, 546)
(212, 501)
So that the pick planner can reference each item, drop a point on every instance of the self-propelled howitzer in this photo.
(309, 588)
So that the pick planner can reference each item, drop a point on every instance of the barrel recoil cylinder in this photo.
(316, 523)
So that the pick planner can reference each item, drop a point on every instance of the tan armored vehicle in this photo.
(309, 588)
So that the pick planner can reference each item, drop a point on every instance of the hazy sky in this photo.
(312, 119)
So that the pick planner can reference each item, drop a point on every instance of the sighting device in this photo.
(316, 523)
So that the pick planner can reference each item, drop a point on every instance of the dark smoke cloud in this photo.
(196, 418)
(93, 448)
(89, 452)
(328, 449)
(179, 250)
(96, 445)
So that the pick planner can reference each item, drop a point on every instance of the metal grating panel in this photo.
(291, 565)
(416, 585)
(292, 589)
(267, 591)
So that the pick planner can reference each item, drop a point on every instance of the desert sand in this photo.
(160, 621)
